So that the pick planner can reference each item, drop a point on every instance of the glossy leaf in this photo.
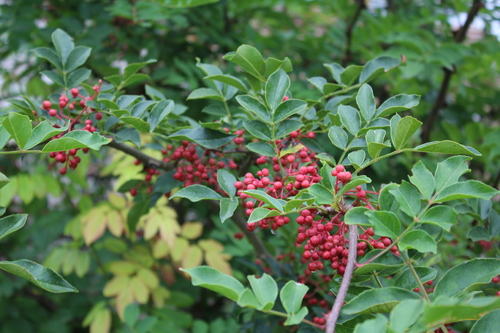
(423, 179)
(261, 148)
(54, 77)
(350, 118)
(43, 131)
(408, 198)
(205, 93)
(212, 279)
(338, 137)
(291, 296)
(479, 233)
(405, 128)
(43, 277)
(265, 290)
(276, 87)
(205, 137)
(442, 216)
(386, 261)
(287, 109)
(406, 279)
(196, 193)
(63, 44)
(77, 57)
(296, 318)
(288, 126)
(419, 240)
(397, 103)
(50, 55)
(11, 223)
(249, 58)
(366, 102)
(229, 79)
(350, 74)
(226, 181)
(449, 171)
(227, 208)
(77, 77)
(258, 129)
(321, 194)
(19, 127)
(405, 314)
(376, 67)
(159, 112)
(381, 300)
(467, 277)
(446, 147)
(488, 323)
(376, 325)
(255, 106)
(247, 299)
(360, 180)
(467, 189)
(263, 196)
(76, 139)
(357, 216)
(138, 123)
(384, 223)
(131, 69)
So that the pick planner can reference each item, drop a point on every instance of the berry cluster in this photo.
(66, 111)
(194, 167)
(148, 180)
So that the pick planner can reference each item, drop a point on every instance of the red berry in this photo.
(63, 170)
(52, 112)
(133, 192)
(74, 92)
(46, 105)
(98, 116)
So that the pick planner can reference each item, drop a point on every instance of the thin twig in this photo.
(459, 38)
(349, 30)
(144, 158)
(346, 280)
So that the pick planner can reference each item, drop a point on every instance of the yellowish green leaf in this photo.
(191, 230)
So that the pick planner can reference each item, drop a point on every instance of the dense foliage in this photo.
(249, 170)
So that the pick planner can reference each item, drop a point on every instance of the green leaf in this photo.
(76, 139)
(357, 158)
(227, 208)
(63, 44)
(276, 87)
(216, 110)
(349, 117)
(321, 194)
(265, 290)
(43, 277)
(134, 79)
(318, 82)
(356, 216)
(11, 223)
(406, 279)
(249, 58)
(381, 300)
(488, 323)
(255, 106)
(376, 325)
(258, 129)
(287, 109)
(408, 198)
(247, 299)
(397, 103)
(273, 64)
(196, 193)
(338, 137)
(446, 147)
(159, 112)
(205, 93)
(405, 128)
(375, 142)
(451, 310)
(205, 137)
(226, 181)
(140, 108)
(263, 196)
(360, 180)
(54, 77)
(350, 74)
(50, 55)
(366, 102)
(291, 296)
(129, 134)
(43, 131)
(384, 223)
(479, 233)
(131, 314)
(137, 123)
(288, 126)
(77, 57)
(77, 77)
(212, 279)
(19, 127)
(3, 180)
(335, 69)
(449, 171)
(419, 240)
(261, 148)
(376, 67)
(296, 318)
(467, 189)
(405, 314)
(131, 69)
(385, 261)
(442, 216)
(261, 213)
(423, 179)
(229, 79)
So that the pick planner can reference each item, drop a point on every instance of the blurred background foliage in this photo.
(455, 70)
